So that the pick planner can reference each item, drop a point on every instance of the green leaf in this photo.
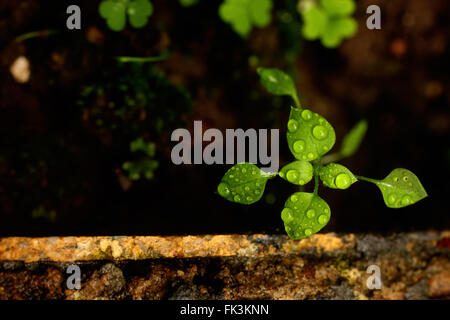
(278, 82)
(339, 7)
(243, 183)
(401, 188)
(188, 3)
(138, 21)
(117, 19)
(304, 214)
(346, 27)
(315, 23)
(106, 8)
(298, 172)
(336, 176)
(353, 139)
(140, 7)
(244, 14)
(309, 135)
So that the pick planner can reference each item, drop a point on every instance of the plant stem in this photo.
(296, 100)
(317, 166)
(143, 59)
(332, 157)
(367, 179)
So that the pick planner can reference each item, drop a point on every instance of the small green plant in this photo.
(309, 137)
(116, 11)
(243, 15)
(328, 20)
(145, 165)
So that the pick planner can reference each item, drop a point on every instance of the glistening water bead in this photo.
(292, 125)
(287, 215)
(342, 181)
(223, 189)
(292, 176)
(320, 132)
(306, 115)
(299, 146)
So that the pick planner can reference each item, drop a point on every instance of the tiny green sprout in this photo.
(244, 14)
(116, 11)
(145, 165)
(310, 137)
(330, 21)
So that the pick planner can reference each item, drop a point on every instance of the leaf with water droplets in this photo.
(401, 188)
(353, 139)
(298, 172)
(304, 214)
(309, 135)
(277, 82)
(244, 183)
(336, 176)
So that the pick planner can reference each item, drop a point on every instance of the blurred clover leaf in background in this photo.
(115, 12)
(145, 165)
(243, 15)
(328, 20)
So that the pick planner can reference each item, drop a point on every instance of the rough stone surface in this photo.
(325, 266)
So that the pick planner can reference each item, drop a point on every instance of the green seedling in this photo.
(329, 20)
(145, 165)
(310, 137)
(243, 15)
(115, 13)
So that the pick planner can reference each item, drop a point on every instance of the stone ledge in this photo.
(324, 266)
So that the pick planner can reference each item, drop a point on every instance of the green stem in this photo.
(296, 100)
(36, 34)
(143, 59)
(367, 179)
(317, 166)
(332, 157)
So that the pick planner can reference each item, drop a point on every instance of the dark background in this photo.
(54, 155)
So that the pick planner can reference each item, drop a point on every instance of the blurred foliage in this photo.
(188, 3)
(328, 20)
(145, 165)
(243, 15)
(116, 11)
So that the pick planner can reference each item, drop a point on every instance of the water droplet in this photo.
(257, 184)
(311, 155)
(247, 188)
(410, 184)
(392, 198)
(406, 200)
(292, 125)
(237, 198)
(325, 148)
(342, 181)
(223, 189)
(326, 210)
(244, 170)
(310, 213)
(281, 174)
(292, 176)
(395, 179)
(297, 234)
(256, 192)
(301, 181)
(308, 232)
(237, 180)
(304, 157)
(294, 198)
(287, 215)
(322, 219)
(231, 176)
(306, 115)
(405, 178)
(253, 172)
(299, 146)
(249, 199)
(320, 132)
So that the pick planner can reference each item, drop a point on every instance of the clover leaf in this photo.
(329, 21)
(401, 188)
(115, 12)
(244, 14)
(244, 183)
(298, 172)
(336, 176)
(309, 135)
(304, 214)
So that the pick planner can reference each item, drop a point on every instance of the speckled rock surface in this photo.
(324, 266)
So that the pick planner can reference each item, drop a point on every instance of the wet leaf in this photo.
(337, 176)
(353, 139)
(401, 188)
(309, 135)
(298, 172)
(304, 214)
(244, 183)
